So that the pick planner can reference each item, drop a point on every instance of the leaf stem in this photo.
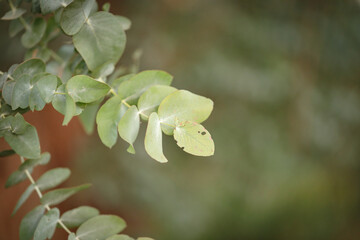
(55, 56)
(37, 189)
(112, 91)
(23, 22)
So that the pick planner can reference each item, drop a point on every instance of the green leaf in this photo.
(21, 92)
(30, 67)
(70, 109)
(75, 217)
(183, 105)
(120, 237)
(23, 198)
(53, 178)
(29, 223)
(86, 89)
(88, 116)
(129, 127)
(36, 102)
(15, 124)
(48, 6)
(96, 40)
(25, 144)
(47, 86)
(47, 225)
(132, 89)
(124, 22)
(103, 71)
(150, 100)
(75, 15)
(153, 139)
(59, 195)
(34, 34)
(72, 236)
(106, 7)
(59, 101)
(15, 178)
(30, 163)
(108, 118)
(6, 153)
(193, 138)
(13, 14)
(8, 90)
(144, 238)
(100, 227)
(117, 81)
(15, 27)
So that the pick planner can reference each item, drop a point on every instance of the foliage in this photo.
(76, 80)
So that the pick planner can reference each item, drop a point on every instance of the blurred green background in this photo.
(284, 76)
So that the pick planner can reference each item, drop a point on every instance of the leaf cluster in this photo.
(82, 79)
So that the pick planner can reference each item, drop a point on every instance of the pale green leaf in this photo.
(26, 144)
(100, 40)
(86, 89)
(59, 101)
(15, 27)
(72, 236)
(88, 116)
(30, 163)
(75, 217)
(47, 225)
(120, 237)
(7, 91)
(129, 127)
(34, 34)
(13, 14)
(106, 7)
(30, 222)
(103, 71)
(117, 81)
(100, 227)
(124, 22)
(182, 106)
(21, 92)
(153, 139)
(36, 102)
(108, 118)
(48, 6)
(59, 195)
(23, 198)
(150, 100)
(30, 67)
(193, 138)
(47, 86)
(75, 15)
(53, 178)
(132, 89)
(70, 109)
(15, 178)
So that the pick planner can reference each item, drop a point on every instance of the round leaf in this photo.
(100, 227)
(183, 105)
(47, 225)
(193, 138)
(100, 40)
(86, 89)
(33, 35)
(75, 15)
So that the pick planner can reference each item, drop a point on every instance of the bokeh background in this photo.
(284, 76)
